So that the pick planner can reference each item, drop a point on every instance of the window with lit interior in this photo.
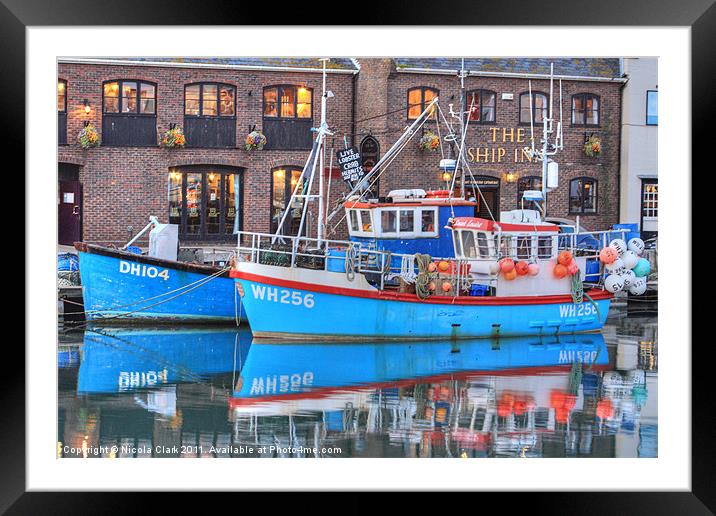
(129, 113)
(480, 105)
(585, 110)
(418, 99)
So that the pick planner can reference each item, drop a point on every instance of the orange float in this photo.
(509, 276)
(443, 266)
(522, 268)
(560, 271)
(564, 258)
(507, 265)
(447, 286)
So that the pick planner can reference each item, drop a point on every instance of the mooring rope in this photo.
(423, 279)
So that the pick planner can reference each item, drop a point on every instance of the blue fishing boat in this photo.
(419, 265)
(281, 372)
(130, 359)
(119, 285)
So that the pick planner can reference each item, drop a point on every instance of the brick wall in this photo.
(418, 169)
(124, 185)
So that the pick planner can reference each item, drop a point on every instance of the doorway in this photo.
(649, 208)
(489, 202)
(69, 204)
(205, 202)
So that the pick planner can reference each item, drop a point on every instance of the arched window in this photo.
(284, 181)
(539, 107)
(61, 111)
(209, 99)
(480, 105)
(527, 183)
(418, 99)
(583, 196)
(370, 154)
(288, 101)
(585, 110)
(210, 115)
(129, 113)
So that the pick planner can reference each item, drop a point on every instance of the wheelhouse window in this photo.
(527, 183)
(61, 111)
(129, 113)
(468, 244)
(418, 100)
(284, 182)
(583, 196)
(288, 117)
(652, 107)
(481, 106)
(408, 222)
(538, 109)
(585, 110)
(545, 247)
(210, 115)
(204, 202)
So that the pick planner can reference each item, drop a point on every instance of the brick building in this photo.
(214, 186)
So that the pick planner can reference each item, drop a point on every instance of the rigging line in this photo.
(380, 172)
(407, 106)
(479, 191)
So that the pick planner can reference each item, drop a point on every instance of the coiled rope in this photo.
(424, 277)
(350, 263)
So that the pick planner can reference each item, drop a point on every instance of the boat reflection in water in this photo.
(175, 392)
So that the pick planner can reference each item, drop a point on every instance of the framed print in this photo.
(409, 245)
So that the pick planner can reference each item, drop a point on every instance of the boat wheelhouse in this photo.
(407, 221)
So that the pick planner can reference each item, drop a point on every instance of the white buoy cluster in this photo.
(626, 268)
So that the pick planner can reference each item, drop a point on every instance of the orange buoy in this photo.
(431, 286)
(443, 266)
(564, 258)
(607, 255)
(560, 270)
(507, 265)
(432, 267)
(509, 276)
(447, 286)
(522, 268)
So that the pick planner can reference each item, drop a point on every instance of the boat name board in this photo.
(139, 269)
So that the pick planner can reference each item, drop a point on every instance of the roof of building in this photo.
(303, 63)
(575, 67)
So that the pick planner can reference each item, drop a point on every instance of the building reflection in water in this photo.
(211, 392)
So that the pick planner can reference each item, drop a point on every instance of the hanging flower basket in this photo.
(255, 140)
(429, 141)
(593, 147)
(88, 137)
(174, 138)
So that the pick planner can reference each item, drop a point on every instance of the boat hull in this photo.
(120, 287)
(279, 305)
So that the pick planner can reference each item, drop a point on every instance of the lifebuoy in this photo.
(437, 193)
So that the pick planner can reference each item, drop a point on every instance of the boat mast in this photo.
(321, 208)
(465, 113)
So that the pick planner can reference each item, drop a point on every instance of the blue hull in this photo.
(131, 287)
(276, 370)
(302, 311)
(119, 360)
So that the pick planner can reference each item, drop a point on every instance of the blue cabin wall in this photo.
(440, 246)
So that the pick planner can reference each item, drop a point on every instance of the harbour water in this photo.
(212, 392)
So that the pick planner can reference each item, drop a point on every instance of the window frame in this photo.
(422, 89)
(417, 231)
(64, 110)
(521, 180)
(218, 99)
(584, 96)
(595, 184)
(482, 91)
(534, 107)
(279, 89)
(288, 190)
(120, 98)
(646, 112)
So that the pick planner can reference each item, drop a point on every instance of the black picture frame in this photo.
(699, 15)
